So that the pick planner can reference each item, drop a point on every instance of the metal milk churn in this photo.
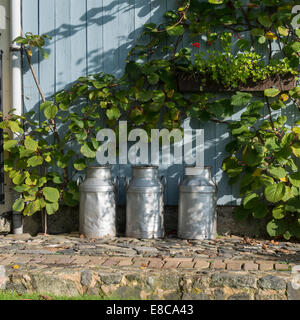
(97, 213)
(145, 204)
(197, 205)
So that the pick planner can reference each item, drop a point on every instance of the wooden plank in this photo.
(110, 31)
(30, 13)
(126, 32)
(78, 56)
(47, 66)
(63, 44)
(95, 21)
(110, 36)
(126, 40)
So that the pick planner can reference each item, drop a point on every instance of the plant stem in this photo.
(34, 76)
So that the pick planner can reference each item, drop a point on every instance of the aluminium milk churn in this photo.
(197, 205)
(145, 204)
(97, 213)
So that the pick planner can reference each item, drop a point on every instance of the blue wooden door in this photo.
(90, 36)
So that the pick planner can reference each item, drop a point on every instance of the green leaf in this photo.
(260, 211)
(276, 228)
(283, 31)
(30, 144)
(31, 181)
(63, 162)
(50, 111)
(257, 32)
(266, 180)
(296, 149)
(32, 208)
(293, 204)
(296, 46)
(244, 44)
(133, 70)
(276, 105)
(240, 99)
(19, 178)
(57, 179)
(271, 92)
(15, 127)
(80, 164)
(277, 172)
(64, 106)
(144, 96)
(175, 31)
(262, 40)
(153, 78)
(19, 205)
(51, 208)
(255, 106)
(274, 193)
(252, 158)
(296, 130)
(239, 130)
(150, 26)
(113, 114)
(35, 161)
(45, 105)
(295, 179)
(9, 144)
(288, 194)
(231, 167)
(279, 212)
(78, 122)
(250, 201)
(51, 194)
(21, 188)
(216, 1)
(265, 20)
(246, 180)
(42, 181)
(87, 151)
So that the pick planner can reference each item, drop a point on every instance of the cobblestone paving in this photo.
(26, 257)
(226, 252)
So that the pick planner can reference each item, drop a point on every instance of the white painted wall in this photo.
(4, 46)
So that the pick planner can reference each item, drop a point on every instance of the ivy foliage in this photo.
(232, 36)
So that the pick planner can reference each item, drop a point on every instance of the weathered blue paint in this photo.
(90, 36)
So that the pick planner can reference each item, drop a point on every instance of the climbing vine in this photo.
(226, 45)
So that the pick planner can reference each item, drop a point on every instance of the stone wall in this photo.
(153, 285)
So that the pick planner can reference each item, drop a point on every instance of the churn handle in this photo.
(179, 181)
(79, 180)
(163, 180)
(126, 182)
(215, 183)
(116, 181)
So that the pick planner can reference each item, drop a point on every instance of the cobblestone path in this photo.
(227, 268)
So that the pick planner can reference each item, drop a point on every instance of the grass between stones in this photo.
(11, 295)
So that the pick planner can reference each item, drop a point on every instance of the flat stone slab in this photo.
(229, 268)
